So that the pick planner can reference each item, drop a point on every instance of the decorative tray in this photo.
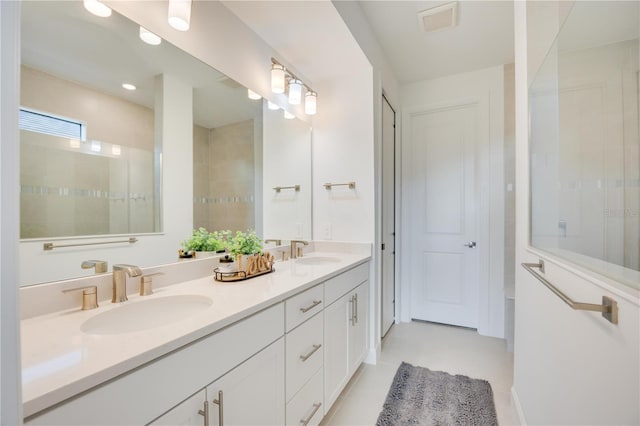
(219, 275)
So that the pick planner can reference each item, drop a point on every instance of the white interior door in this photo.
(388, 215)
(442, 200)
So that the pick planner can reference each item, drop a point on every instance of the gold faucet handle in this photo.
(146, 283)
(89, 296)
(101, 266)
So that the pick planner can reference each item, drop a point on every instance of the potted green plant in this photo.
(205, 243)
(244, 244)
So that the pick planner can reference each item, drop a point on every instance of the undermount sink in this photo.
(317, 260)
(147, 314)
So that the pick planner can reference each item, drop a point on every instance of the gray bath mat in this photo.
(419, 396)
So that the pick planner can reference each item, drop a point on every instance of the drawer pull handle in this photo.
(205, 413)
(356, 305)
(310, 307)
(313, 351)
(316, 407)
(219, 402)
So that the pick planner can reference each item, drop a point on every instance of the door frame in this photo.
(396, 214)
(486, 89)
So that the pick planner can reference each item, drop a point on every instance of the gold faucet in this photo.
(294, 253)
(120, 273)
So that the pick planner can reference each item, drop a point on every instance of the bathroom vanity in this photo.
(276, 349)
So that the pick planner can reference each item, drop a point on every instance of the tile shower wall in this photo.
(224, 177)
(69, 193)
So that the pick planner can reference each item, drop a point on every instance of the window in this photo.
(42, 122)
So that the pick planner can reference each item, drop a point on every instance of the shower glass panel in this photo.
(585, 163)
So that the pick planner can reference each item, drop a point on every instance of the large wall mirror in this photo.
(585, 163)
(105, 180)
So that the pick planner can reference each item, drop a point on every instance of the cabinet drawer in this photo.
(305, 354)
(340, 285)
(303, 306)
(308, 404)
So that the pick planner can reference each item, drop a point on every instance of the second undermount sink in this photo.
(146, 314)
(317, 260)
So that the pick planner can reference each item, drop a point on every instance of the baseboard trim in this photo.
(515, 403)
(372, 356)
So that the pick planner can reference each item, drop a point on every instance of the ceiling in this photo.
(482, 38)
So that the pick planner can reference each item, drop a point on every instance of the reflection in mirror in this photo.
(69, 189)
(89, 158)
(226, 161)
(585, 164)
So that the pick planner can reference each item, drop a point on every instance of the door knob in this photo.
(471, 244)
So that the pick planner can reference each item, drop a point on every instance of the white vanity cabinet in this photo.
(189, 413)
(285, 364)
(252, 393)
(345, 329)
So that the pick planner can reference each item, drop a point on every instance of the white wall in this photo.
(286, 213)
(384, 82)
(570, 367)
(486, 87)
(10, 385)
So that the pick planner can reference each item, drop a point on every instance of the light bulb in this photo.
(310, 102)
(253, 95)
(277, 78)
(180, 14)
(272, 106)
(149, 37)
(97, 8)
(295, 91)
(288, 115)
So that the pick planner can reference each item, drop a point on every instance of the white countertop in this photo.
(59, 360)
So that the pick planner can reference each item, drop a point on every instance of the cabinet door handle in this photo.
(313, 351)
(356, 305)
(353, 311)
(316, 407)
(310, 307)
(220, 403)
(205, 413)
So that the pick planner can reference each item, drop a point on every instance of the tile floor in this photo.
(437, 347)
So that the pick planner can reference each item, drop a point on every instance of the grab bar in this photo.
(50, 246)
(609, 307)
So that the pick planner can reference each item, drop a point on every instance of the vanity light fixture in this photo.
(310, 102)
(295, 91)
(149, 37)
(128, 86)
(74, 143)
(272, 106)
(180, 14)
(97, 8)
(288, 115)
(279, 76)
(253, 95)
(96, 146)
(116, 149)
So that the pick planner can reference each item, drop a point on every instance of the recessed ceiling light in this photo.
(97, 8)
(149, 37)
(128, 86)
